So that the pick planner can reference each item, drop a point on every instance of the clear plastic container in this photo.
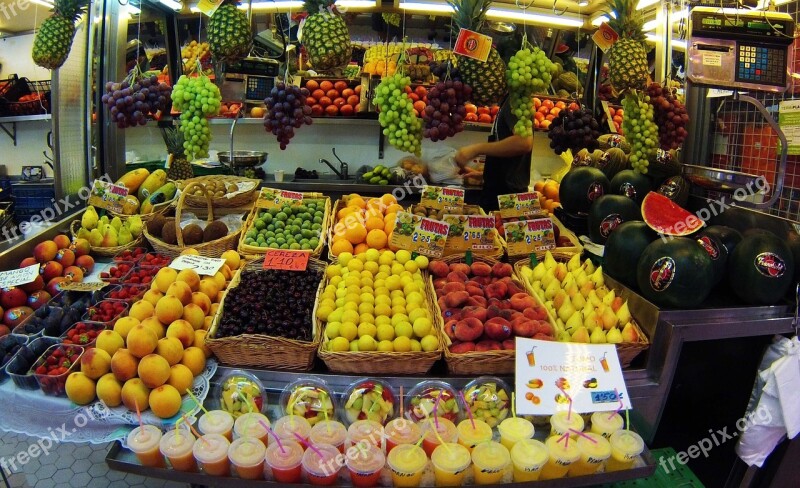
(24, 327)
(488, 394)
(9, 346)
(19, 368)
(130, 255)
(54, 385)
(292, 426)
(93, 326)
(128, 265)
(329, 432)
(90, 315)
(135, 292)
(247, 457)
(240, 392)
(422, 399)
(369, 399)
(310, 398)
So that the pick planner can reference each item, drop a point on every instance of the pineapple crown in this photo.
(70, 9)
(319, 6)
(469, 14)
(628, 22)
(173, 138)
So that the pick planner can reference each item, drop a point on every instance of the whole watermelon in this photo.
(623, 248)
(607, 212)
(761, 268)
(675, 273)
(631, 184)
(676, 188)
(580, 187)
(719, 241)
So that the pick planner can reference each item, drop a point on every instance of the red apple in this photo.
(13, 297)
(15, 316)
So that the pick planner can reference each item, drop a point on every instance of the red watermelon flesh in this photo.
(667, 218)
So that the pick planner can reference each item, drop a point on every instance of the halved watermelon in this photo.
(667, 218)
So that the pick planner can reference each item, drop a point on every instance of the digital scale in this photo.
(739, 48)
(250, 79)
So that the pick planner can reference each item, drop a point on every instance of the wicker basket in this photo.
(565, 252)
(627, 351)
(256, 350)
(254, 252)
(388, 363)
(245, 198)
(211, 249)
(108, 252)
(159, 209)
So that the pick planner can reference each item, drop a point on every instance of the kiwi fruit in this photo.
(168, 234)
(192, 234)
(155, 225)
(215, 230)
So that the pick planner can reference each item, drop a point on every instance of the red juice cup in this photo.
(329, 432)
(321, 464)
(446, 430)
(286, 427)
(285, 463)
(364, 462)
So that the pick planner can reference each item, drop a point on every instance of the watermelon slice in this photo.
(667, 218)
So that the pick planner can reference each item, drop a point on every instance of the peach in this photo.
(45, 251)
(180, 377)
(141, 341)
(171, 349)
(524, 327)
(153, 370)
(110, 341)
(475, 302)
(544, 327)
(195, 359)
(468, 329)
(135, 396)
(190, 277)
(462, 347)
(522, 301)
(169, 309)
(461, 268)
(441, 303)
(450, 328)
(457, 276)
(85, 262)
(200, 341)
(152, 296)
(480, 269)
(202, 301)
(455, 299)
(474, 291)
(210, 288)
(496, 290)
(164, 278)
(477, 312)
(124, 325)
(438, 269)
(536, 312)
(439, 282)
(544, 337)
(181, 291)
(220, 278)
(497, 328)
(51, 269)
(509, 345)
(500, 270)
(181, 330)
(513, 287)
(156, 326)
(80, 388)
(482, 280)
(95, 363)
(453, 286)
(141, 310)
(207, 322)
(488, 345)
(194, 315)
(124, 365)
(66, 257)
(165, 401)
(109, 390)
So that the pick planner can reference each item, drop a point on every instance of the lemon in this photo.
(404, 329)
(398, 302)
(387, 257)
(350, 306)
(323, 311)
(410, 307)
(397, 269)
(371, 267)
(379, 283)
(367, 329)
(429, 343)
(422, 327)
(327, 302)
(372, 255)
(333, 270)
(368, 290)
(414, 297)
(355, 265)
(410, 287)
(350, 316)
(332, 330)
(402, 344)
(354, 346)
(366, 308)
(353, 296)
(382, 275)
(329, 289)
(394, 283)
(336, 280)
(406, 275)
(411, 266)
(366, 318)
(383, 300)
(397, 318)
(383, 319)
(385, 268)
(385, 332)
(348, 330)
(345, 258)
(340, 344)
(399, 310)
(381, 290)
(382, 309)
(415, 346)
(367, 298)
(417, 313)
(367, 343)
(402, 256)
(340, 302)
(422, 262)
(386, 346)
(341, 292)
(336, 315)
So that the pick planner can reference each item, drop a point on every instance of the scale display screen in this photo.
(711, 21)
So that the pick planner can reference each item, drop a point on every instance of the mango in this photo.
(132, 180)
(153, 182)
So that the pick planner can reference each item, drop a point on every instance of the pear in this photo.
(580, 277)
(609, 297)
(617, 303)
(614, 336)
(593, 321)
(102, 226)
(110, 238)
(538, 272)
(548, 278)
(536, 285)
(586, 288)
(125, 236)
(552, 289)
(561, 271)
(560, 324)
(572, 290)
(594, 299)
(588, 266)
(588, 308)
(116, 223)
(568, 281)
(609, 319)
(559, 299)
(597, 277)
(89, 219)
(549, 261)
(574, 262)
(598, 336)
(539, 294)
(564, 336)
(566, 311)
(578, 301)
(135, 225)
(629, 334)
(104, 220)
(623, 314)
(95, 238)
(581, 335)
(574, 322)
(83, 233)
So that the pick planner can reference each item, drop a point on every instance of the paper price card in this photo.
(19, 276)
(269, 197)
(287, 260)
(605, 37)
(527, 236)
(208, 7)
(202, 265)
(108, 196)
(473, 45)
(552, 375)
(420, 234)
(520, 205)
(442, 197)
(84, 286)
(470, 232)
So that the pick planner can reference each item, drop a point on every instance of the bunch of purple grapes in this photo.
(574, 130)
(446, 110)
(286, 111)
(670, 116)
(130, 102)
(445, 70)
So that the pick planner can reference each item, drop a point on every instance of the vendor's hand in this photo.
(472, 173)
(464, 156)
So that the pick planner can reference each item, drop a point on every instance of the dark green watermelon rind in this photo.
(691, 284)
(623, 206)
(623, 249)
(665, 216)
(746, 281)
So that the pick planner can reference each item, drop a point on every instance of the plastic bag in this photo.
(443, 168)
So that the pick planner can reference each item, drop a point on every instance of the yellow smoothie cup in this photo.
(626, 446)
(513, 430)
(528, 457)
(450, 463)
(605, 424)
(561, 423)
(594, 449)
(489, 462)
(407, 462)
(469, 436)
(560, 458)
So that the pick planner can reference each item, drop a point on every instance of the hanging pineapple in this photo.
(488, 80)
(178, 167)
(229, 35)
(53, 40)
(627, 58)
(325, 36)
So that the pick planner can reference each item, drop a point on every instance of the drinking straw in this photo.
(274, 436)
(402, 406)
(436, 408)
(569, 413)
(309, 445)
(177, 434)
(197, 434)
(327, 422)
(139, 415)
(583, 435)
(620, 404)
(198, 402)
(441, 441)
(565, 436)
(469, 410)
(513, 405)
(628, 419)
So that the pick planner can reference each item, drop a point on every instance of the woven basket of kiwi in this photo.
(225, 191)
(167, 237)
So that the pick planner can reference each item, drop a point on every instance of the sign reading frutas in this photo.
(473, 45)
(529, 236)
(286, 260)
(108, 196)
(270, 197)
(442, 197)
(471, 233)
(202, 265)
(420, 234)
(20, 276)
(520, 205)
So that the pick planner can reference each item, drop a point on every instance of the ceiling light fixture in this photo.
(679, 44)
(537, 18)
(44, 3)
(643, 4)
(583, 3)
(426, 7)
(171, 4)
(597, 21)
(347, 4)
(279, 6)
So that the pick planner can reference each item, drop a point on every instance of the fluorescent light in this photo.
(171, 4)
(546, 19)
(426, 7)
(643, 4)
(650, 26)
(45, 3)
(676, 43)
(132, 10)
(275, 6)
(356, 3)
(597, 21)
(585, 3)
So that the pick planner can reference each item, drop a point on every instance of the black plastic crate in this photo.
(38, 102)
(11, 91)
(31, 198)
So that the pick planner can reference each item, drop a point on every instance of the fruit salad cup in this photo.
(309, 398)
(422, 399)
(489, 398)
(369, 399)
(240, 393)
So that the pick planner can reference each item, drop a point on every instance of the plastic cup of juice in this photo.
(605, 424)
(561, 423)
(364, 462)
(401, 431)
(446, 430)
(450, 463)
(469, 436)
(626, 446)
(211, 453)
(528, 457)
(284, 461)
(329, 432)
(593, 454)
(559, 458)
(286, 427)
(217, 422)
(322, 470)
(247, 456)
(176, 445)
(489, 461)
(366, 430)
(144, 442)
(249, 425)
(513, 430)
(407, 462)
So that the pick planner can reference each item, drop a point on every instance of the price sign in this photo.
(442, 197)
(19, 276)
(270, 197)
(84, 286)
(527, 236)
(550, 374)
(470, 232)
(208, 7)
(520, 205)
(605, 37)
(473, 45)
(108, 196)
(420, 234)
(287, 260)
(202, 265)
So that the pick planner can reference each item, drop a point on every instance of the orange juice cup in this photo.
(329, 432)
(321, 466)
(594, 449)
(211, 453)
(513, 430)
(528, 457)
(176, 445)
(401, 431)
(605, 424)
(626, 446)
(407, 463)
(144, 442)
(469, 436)
(364, 462)
(489, 461)
(366, 430)
(217, 422)
(247, 456)
(446, 430)
(563, 422)
(450, 462)
(560, 458)
(285, 463)
(249, 425)
(286, 427)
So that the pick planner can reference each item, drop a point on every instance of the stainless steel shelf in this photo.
(24, 118)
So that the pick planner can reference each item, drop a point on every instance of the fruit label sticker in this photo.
(202, 265)
(551, 376)
(605, 37)
(208, 7)
(608, 224)
(628, 190)
(20, 276)
(662, 273)
(710, 246)
(83, 286)
(529, 236)
(770, 265)
(470, 232)
(286, 260)
(270, 197)
(108, 196)
(520, 205)
(473, 45)
(420, 234)
(442, 198)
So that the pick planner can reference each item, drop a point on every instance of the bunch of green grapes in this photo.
(397, 117)
(197, 99)
(529, 72)
(640, 129)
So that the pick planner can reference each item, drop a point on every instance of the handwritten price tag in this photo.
(527, 236)
(442, 197)
(107, 195)
(202, 265)
(286, 260)
(17, 277)
(85, 286)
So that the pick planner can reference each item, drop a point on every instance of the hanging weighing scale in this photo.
(739, 49)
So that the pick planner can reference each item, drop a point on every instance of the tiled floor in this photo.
(68, 464)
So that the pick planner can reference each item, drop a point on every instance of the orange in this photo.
(377, 239)
(356, 233)
(340, 246)
(377, 204)
(374, 223)
(393, 208)
(361, 248)
(550, 190)
(538, 186)
(389, 226)
(389, 199)
(346, 211)
(356, 202)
